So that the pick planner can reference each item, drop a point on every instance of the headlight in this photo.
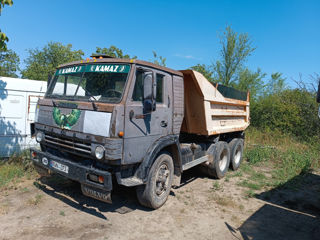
(39, 137)
(99, 152)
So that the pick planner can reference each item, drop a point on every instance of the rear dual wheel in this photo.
(236, 149)
(218, 166)
(224, 155)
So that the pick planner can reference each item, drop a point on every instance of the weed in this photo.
(36, 200)
(216, 186)
(223, 201)
(25, 189)
(251, 185)
(62, 213)
(227, 179)
(237, 174)
(9, 173)
(249, 194)
(241, 207)
(259, 154)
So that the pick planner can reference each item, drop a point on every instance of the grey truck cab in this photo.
(137, 123)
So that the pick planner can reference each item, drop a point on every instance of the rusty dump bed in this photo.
(207, 111)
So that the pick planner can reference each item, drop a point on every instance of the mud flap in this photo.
(96, 193)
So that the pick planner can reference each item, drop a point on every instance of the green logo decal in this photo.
(66, 120)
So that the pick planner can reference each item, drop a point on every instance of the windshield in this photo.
(96, 82)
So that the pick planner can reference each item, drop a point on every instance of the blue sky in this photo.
(286, 33)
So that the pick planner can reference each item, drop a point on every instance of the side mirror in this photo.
(318, 94)
(149, 93)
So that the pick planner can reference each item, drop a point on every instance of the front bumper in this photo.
(77, 172)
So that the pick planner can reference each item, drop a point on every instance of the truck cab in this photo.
(107, 118)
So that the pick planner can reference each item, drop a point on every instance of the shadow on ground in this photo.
(124, 199)
(292, 211)
(69, 192)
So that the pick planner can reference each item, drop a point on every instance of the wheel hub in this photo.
(162, 179)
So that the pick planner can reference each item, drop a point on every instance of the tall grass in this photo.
(12, 169)
(284, 156)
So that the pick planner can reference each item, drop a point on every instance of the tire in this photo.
(42, 171)
(236, 153)
(157, 188)
(218, 166)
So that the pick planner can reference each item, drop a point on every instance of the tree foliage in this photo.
(204, 70)
(3, 36)
(113, 51)
(292, 111)
(9, 63)
(42, 62)
(159, 60)
(235, 50)
(252, 81)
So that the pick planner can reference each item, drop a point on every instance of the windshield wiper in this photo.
(94, 106)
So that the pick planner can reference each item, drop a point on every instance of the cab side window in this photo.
(160, 80)
(137, 94)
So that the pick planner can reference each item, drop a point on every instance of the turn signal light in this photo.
(34, 154)
(101, 179)
(121, 134)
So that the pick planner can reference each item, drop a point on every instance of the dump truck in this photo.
(106, 121)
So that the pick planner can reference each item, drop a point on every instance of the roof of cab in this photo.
(122, 60)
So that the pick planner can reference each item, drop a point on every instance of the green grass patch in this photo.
(271, 159)
(251, 185)
(15, 168)
(9, 173)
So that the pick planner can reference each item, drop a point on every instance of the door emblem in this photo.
(66, 121)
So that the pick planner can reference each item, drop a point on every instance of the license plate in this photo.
(101, 195)
(59, 166)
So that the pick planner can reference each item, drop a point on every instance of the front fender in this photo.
(161, 143)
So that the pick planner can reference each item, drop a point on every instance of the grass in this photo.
(216, 186)
(16, 167)
(36, 200)
(271, 159)
(10, 173)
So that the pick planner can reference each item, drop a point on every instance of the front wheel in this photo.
(157, 188)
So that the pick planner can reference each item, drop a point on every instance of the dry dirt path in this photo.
(201, 208)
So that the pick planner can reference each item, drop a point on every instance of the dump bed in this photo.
(212, 109)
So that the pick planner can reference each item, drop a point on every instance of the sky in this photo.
(286, 33)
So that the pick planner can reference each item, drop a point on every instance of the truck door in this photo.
(142, 130)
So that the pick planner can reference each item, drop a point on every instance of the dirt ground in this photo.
(201, 208)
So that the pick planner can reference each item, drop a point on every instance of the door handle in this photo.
(163, 124)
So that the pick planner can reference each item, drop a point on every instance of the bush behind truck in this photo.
(138, 122)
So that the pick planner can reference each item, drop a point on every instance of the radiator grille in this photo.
(68, 144)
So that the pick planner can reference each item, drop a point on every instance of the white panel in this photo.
(97, 123)
(12, 106)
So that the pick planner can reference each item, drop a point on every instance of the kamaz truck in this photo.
(105, 120)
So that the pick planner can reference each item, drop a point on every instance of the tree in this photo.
(204, 69)
(252, 81)
(113, 51)
(9, 63)
(159, 60)
(276, 84)
(235, 50)
(42, 63)
(3, 36)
